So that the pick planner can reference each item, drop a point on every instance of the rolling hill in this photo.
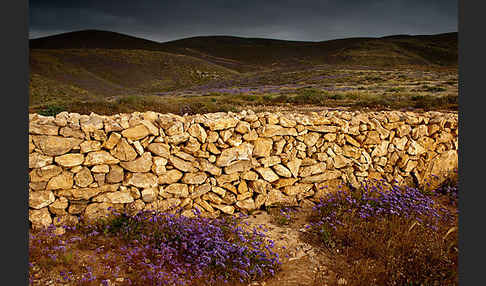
(93, 64)
(253, 54)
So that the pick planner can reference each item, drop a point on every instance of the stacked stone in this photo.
(79, 165)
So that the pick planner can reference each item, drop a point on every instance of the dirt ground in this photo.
(302, 263)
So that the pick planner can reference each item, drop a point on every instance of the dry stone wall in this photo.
(80, 165)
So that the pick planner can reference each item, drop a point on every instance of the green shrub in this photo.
(51, 110)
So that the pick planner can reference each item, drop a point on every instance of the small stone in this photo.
(123, 151)
(179, 190)
(136, 133)
(170, 177)
(159, 149)
(267, 174)
(61, 181)
(115, 175)
(83, 178)
(194, 178)
(90, 146)
(37, 160)
(142, 180)
(140, 165)
(99, 157)
(40, 199)
(40, 218)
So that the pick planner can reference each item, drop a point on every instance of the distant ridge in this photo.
(93, 39)
(251, 54)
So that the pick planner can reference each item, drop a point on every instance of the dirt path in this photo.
(302, 263)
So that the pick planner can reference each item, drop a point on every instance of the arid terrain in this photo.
(108, 73)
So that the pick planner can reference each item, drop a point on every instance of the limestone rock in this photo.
(272, 130)
(115, 175)
(415, 149)
(159, 149)
(150, 127)
(182, 165)
(242, 152)
(442, 166)
(158, 166)
(59, 206)
(83, 178)
(61, 181)
(140, 165)
(329, 175)
(262, 147)
(96, 211)
(43, 129)
(170, 177)
(90, 146)
(100, 169)
(324, 128)
(400, 142)
(120, 197)
(286, 122)
(55, 145)
(227, 178)
(243, 127)
(282, 171)
(177, 189)
(312, 169)
(142, 180)
(275, 196)
(198, 132)
(164, 205)
(249, 176)
(294, 166)
(201, 190)
(194, 178)
(87, 193)
(37, 160)
(372, 138)
(310, 139)
(238, 167)
(380, 150)
(297, 189)
(70, 132)
(92, 124)
(221, 123)
(99, 157)
(283, 182)
(247, 204)
(69, 160)
(40, 218)
(112, 141)
(45, 173)
(178, 139)
(136, 133)
(267, 174)
(206, 166)
(225, 208)
(41, 199)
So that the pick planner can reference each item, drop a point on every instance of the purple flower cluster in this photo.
(181, 249)
(167, 249)
(379, 199)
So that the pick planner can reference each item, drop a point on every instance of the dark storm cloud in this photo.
(291, 20)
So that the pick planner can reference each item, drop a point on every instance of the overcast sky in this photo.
(305, 20)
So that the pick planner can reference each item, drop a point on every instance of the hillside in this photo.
(84, 68)
(254, 54)
(59, 74)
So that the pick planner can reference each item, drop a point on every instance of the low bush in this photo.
(51, 110)
(384, 234)
(152, 248)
